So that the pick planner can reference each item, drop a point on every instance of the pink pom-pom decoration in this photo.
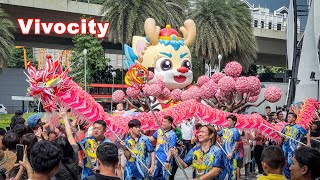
(145, 89)
(154, 90)
(253, 84)
(160, 83)
(217, 76)
(256, 93)
(165, 94)
(227, 84)
(208, 90)
(242, 85)
(133, 92)
(233, 69)
(195, 92)
(150, 76)
(253, 99)
(186, 95)
(118, 96)
(202, 80)
(272, 94)
(176, 94)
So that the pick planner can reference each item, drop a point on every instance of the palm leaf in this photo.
(6, 38)
(127, 17)
(224, 27)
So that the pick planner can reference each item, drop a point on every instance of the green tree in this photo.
(16, 60)
(96, 61)
(223, 27)
(127, 17)
(6, 38)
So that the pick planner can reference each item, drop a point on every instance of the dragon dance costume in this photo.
(141, 149)
(90, 145)
(229, 137)
(288, 146)
(162, 149)
(203, 162)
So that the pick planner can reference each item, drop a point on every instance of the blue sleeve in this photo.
(283, 130)
(127, 142)
(236, 134)
(83, 142)
(220, 133)
(155, 135)
(173, 139)
(189, 157)
(302, 131)
(218, 159)
(149, 146)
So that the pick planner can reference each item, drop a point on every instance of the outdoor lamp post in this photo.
(219, 58)
(85, 69)
(113, 73)
(312, 78)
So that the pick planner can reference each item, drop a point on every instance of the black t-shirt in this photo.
(73, 166)
(318, 125)
(315, 134)
(101, 177)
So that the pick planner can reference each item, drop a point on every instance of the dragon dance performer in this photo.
(206, 159)
(296, 132)
(140, 145)
(90, 145)
(163, 147)
(230, 137)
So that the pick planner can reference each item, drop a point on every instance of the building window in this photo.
(255, 23)
(262, 24)
(270, 25)
(279, 26)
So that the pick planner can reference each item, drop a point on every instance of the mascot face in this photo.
(171, 66)
(164, 51)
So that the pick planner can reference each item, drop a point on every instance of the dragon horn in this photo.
(189, 32)
(152, 31)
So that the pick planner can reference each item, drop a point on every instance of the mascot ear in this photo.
(135, 53)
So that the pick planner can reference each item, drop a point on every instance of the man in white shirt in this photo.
(187, 133)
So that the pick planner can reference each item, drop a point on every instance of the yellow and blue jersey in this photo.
(203, 162)
(228, 138)
(90, 145)
(296, 132)
(289, 146)
(163, 146)
(141, 149)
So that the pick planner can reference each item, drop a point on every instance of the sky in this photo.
(276, 4)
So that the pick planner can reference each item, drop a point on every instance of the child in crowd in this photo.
(273, 162)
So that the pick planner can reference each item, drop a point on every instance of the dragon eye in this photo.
(166, 64)
(186, 63)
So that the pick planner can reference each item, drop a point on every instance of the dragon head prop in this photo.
(165, 52)
(45, 84)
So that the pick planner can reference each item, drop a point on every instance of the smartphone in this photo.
(8, 128)
(20, 152)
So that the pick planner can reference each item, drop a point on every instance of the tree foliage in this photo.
(127, 17)
(96, 62)
(16, 60)
(223, 27)
(6, 38)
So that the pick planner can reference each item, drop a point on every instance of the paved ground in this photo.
(180, 176)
